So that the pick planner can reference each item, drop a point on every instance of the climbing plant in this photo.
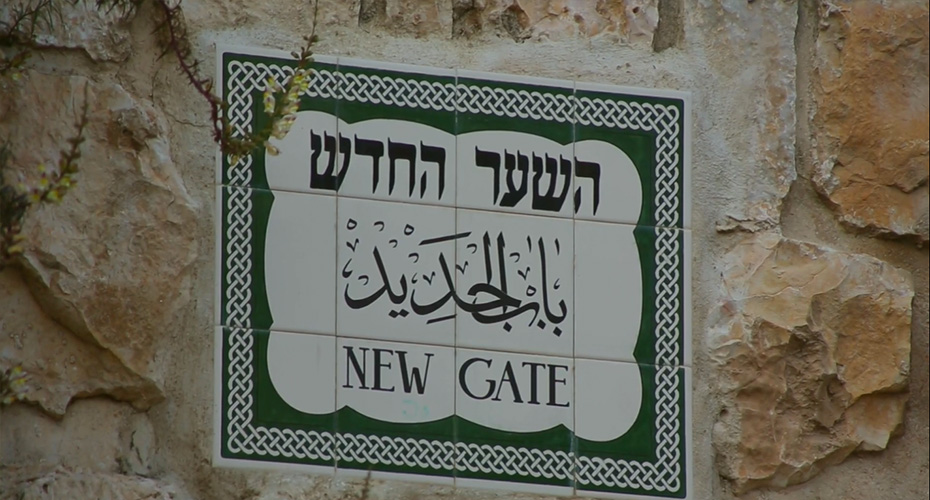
(22, 187)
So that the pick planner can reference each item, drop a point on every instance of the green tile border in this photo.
(243, 439)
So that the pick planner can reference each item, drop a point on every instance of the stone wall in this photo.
(810, 217)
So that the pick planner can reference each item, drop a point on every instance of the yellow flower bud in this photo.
(268, 100)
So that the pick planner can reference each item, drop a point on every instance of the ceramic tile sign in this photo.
(462, 278)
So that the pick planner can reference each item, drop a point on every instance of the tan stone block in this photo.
(871, 119)
(630, 21)
(113, 261)
(813, 353)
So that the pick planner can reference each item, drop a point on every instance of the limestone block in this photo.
(102, 33)
(748, 115)
(871, 126)
(66, 483)
(631, 21)
(113, 261)
(137, 440)
(85, 437)
(409, 17)
(813, 351)
(60, 366)
(338, 12)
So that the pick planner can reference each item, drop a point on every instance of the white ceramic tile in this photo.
(679, 421)
(288, 174)
(312, 156)
(502, 168)
(398, 160)
(608, 398)
(510, 171)
(528, 401)
(524, 264)
(608, 291)
(310, 159)
(403, 159)
(686, 302)
(671, 288)
(302, 368)
(621, 187)
(395, 382)
(607, 185)
(300, 257)
(390, 282)
(514, 392)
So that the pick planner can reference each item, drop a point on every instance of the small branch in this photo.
(25, 18)
(281, 112)
(178, 43)
(50, 188)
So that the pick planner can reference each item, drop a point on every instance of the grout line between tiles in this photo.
(573, 448)
(458, 348)
(455, 324)
(495, 210)
(336, 423)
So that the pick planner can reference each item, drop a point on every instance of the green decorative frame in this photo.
(244, 77)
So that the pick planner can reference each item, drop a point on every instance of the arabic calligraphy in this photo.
(510, 282)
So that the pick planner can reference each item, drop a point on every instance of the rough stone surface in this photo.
(112, 261)
(60, 483)
(137, 439)
(872, 115)
(750, 49)
(629, 21)
(813, 347)
(60, 365)
(87, 437)
(738, 58)
(102, 33)
(411, 17)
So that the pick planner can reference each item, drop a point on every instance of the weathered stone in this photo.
(813, 347)
(871, 118)
(112, 262)
(86, 437)
(137, 438)
(751, 55)
(338, 12)
(631, 21)
(65, 483)
(414, 17)
(60, 366)
(102, 33)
